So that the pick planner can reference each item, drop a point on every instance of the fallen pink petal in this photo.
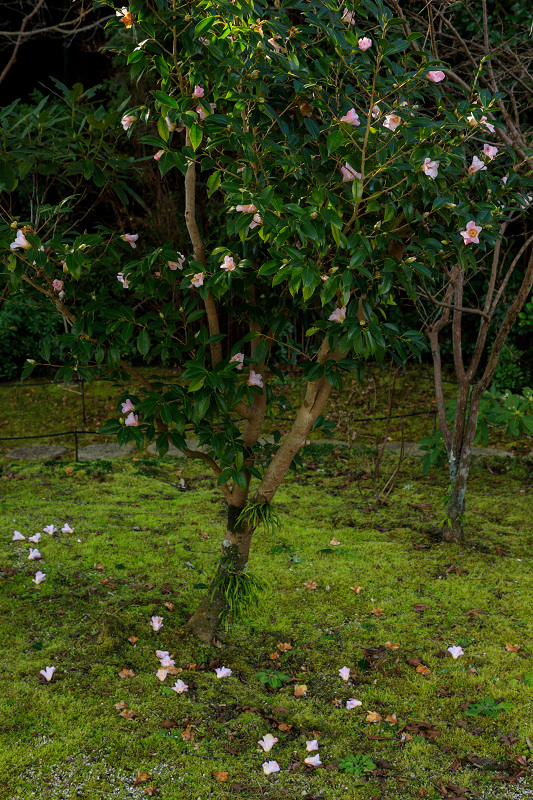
(34, 539)
(18, 537)
(180, 687)
(39, 577)
(50, 529)
(344, 673)
(313, 761)
(47, 673)
(156, 623)
(34, 554)
(223, 672)
(311, 745)
(270, 766)
(66, 528)
(161, 674)
(353, 703)
(267, 742)
(455, 651)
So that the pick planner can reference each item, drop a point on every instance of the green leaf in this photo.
(143, 342)
(335, 140)
(213, 182)
(196, 134)
(8, 179)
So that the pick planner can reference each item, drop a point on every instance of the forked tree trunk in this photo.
(206, 621)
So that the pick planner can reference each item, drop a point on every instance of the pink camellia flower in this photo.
(344, 673)
(339, 315)
(255, 379)
(121, 279)
(267, 742)
(197, 280)
(348, 17)
(256, 221)
(238, 359)
(246, 209)
(489, 151)
(349, 173)
(488, 125)
(471, 234)
(476, 166)
(391, 121)
(158, 155)
(180, 687)
(436, 76)
(170, 125)
(50, 529)
(353, 703)
(274, 45)
(47, 673)
(431, 168)
(156, 623)
(20, 241)
(127, 121)
(505, 179)
(201, 113)
(39, 577)
(127, 406)
(66, 528)
(376, 111)
(312, 745)
(198, 92)
(314, 214)
(364, 43)
(18, 537)
(229, 264)
(161, 654)
(57, 285)
(35, 539)
(34, 554)
(351, 117)
(161, 674)
(131, 238)
(455, 651)
(241, 169)
(61, 295)
(167, 661)
(132, 420)
(174, 265)
(313, 761)
(223, 672)
(270, 766)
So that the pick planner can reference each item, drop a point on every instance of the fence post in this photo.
(76, 445)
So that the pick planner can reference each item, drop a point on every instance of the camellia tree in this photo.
(344, 181)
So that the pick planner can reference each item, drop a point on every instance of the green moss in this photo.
(67, 735)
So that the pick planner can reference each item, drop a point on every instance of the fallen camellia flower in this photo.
(353, 703)
(270, 766)
(35, 539)
(161, 674)
(18, 537)
(156, 623)
(344, 673)
(47, 673)
(180, 687)
(455, 651)
(311, 745)
(34, 554)
(223, 672)
(66, 528)
(50, 529)
(313, 761)
(267, 742)
(39, 577)
(161, 654)
(166, 661)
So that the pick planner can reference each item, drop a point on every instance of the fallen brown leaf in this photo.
(356, 589)
(167, 723)
(99, 566)
(392, 645)
(423, 670)
(373, 716)
(187, 735)
(274, 656)
(284, 646)
(141, 778)
(311, 585)
(133, 639)
(151, 791)
(300, 690)
(419, 607)
(128, 713)
(126, 673)
(170, 606)
(121, 704)
(220, 776)
(377, 611)
(284, 727)
(513, 648)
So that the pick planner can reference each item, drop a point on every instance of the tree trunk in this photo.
(452, 530)
(206, 621)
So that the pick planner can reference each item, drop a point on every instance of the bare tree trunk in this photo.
(206, 621)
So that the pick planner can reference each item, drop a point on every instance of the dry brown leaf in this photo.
(128, 20)
(274, 656)
(168, 723)
(300, 690)
(133, 639)
(192, 667)
(419, 607)
(128, 713)
(170, 606)
(392, 645)
(334, 541)
(220, 776)
(187, 735)
(141, 778)
(473, 671)
(356, 589)
(392, 719)
(284, 727)
(121, 704)
(405, 737)
(69, 471)
(99, 566)
(423, 670)
(377, 611)
(373, 716)
(151, 791)
(126, 673)
(284, 646)
(310, 584)
(204, 535)
(174, 670)
(513, 648)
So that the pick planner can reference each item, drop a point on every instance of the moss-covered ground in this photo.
(145, 544)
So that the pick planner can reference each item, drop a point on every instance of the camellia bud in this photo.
(14, 225)
(444, 241)
(410, 259)
(31, 361)
(161, 315)
(451, 205)
(425, 214)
